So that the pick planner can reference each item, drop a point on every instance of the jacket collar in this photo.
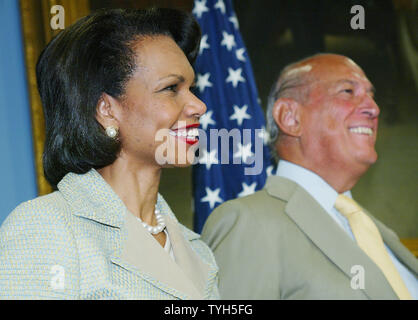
(312, 219)
(91, 197)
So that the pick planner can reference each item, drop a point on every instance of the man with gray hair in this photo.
(303, 236)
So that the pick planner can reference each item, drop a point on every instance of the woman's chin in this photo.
(185, 165)
(181, 162)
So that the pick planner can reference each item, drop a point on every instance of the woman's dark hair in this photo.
(93, 56)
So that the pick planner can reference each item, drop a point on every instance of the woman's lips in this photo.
(189, 134)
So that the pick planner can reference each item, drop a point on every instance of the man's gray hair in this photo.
(291, 83)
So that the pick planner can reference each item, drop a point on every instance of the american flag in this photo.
(226, 84)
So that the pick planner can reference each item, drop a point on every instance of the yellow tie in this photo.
(370, 241)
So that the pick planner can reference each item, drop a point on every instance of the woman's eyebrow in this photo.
(180, 78)
(177, 76)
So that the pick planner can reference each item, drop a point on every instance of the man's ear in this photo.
(107, 111)
(286, 114)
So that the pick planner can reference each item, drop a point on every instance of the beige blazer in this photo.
(279, 243)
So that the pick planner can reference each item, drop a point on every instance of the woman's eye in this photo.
(173, 88)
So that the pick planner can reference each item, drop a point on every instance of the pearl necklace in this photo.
(159, 227)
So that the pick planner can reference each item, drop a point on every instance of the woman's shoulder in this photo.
(50, 205)
(35, 242)
(38, 213)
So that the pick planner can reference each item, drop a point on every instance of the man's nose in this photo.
(370, 108)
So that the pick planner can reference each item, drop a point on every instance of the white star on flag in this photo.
(206, 119)
(203, 81)
(239, 53)
(228, 40)
(220, 5)
(247, 189)
(234, 21)
(235, 76)
(244, 152)
(200, 8)
(212, 196)
(263, 134)
(269, 171)
(203, 43)
(240, 114)
(208, 158)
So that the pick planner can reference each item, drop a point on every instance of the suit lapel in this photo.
(161, 270)
(328, 236)
(396, 246)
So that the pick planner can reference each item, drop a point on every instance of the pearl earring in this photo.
(111, 132)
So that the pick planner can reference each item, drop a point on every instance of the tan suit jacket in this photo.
(279, 243)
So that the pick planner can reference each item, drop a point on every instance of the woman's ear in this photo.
(286, 114)
(107, 111)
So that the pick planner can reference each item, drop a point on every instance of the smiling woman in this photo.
(108, 84)
(156, 98)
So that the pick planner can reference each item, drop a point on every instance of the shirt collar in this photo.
(320, 190)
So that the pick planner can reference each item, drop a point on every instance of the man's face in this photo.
(339, 119)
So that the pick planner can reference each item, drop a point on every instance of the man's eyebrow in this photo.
(353, 82)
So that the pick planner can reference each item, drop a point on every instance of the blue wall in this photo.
(17, 171)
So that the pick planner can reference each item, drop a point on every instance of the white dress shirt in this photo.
(168, 246)
(326, 196)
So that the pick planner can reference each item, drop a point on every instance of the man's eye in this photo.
(350, 91)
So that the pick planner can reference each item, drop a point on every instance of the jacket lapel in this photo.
(396, 246)
(328, 236)
(188, 261)
(161, 270)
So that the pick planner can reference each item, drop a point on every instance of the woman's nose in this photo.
(195, 106)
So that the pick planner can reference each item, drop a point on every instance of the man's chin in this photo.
(369, 159)
(373, 158)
